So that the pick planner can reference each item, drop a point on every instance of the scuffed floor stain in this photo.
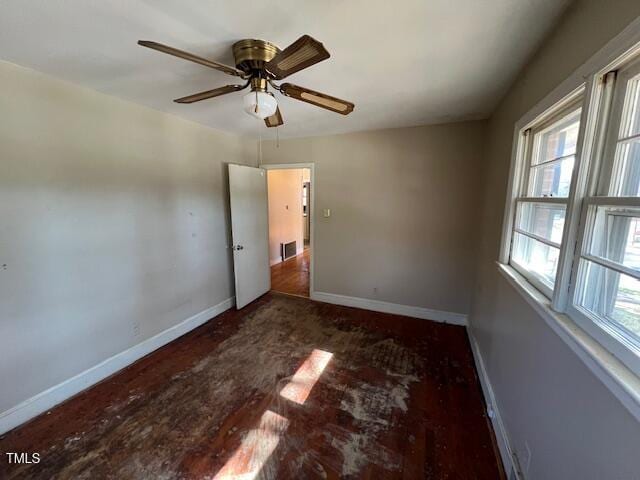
(295, 390)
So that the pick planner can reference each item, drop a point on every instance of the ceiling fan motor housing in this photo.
(251, 54)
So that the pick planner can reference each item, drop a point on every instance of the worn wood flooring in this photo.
(292, 275)
(285, 388)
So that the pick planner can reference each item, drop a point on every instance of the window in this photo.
(549, 151)
(572, 227)
(606, 290)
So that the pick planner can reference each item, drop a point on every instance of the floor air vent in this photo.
(288, 250)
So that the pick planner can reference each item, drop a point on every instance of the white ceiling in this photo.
(403, 63)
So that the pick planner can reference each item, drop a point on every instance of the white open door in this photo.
(250, 230)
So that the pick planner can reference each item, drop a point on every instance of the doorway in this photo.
(290, 193)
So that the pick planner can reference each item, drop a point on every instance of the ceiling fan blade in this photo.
(216, 92)
(301, 54)
(274, 120)
(191, 57)
(316, 98)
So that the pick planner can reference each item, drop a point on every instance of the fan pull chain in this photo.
(259, 145)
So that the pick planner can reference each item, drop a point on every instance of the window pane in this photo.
(536, 257)
(630, 124)
(616, 235)
(557, 140)
(625, 179)
(545, 220)
(610, 295)
(551, 179)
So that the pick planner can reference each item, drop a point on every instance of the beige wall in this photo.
(401, 205)
(550, 401)
(285, 210)
(112, 215)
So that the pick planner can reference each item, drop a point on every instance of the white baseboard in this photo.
(46, 400)
(395, 308)
(492, 409)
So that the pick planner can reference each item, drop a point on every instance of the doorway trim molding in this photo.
(312, 219)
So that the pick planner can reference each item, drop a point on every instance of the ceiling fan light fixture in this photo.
(258, 63)
(260, 104)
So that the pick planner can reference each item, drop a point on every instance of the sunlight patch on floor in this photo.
(256, 448)
(258, 445)
(299, 388)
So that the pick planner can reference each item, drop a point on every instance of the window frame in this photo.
(604, 355)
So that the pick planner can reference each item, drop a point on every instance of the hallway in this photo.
(292, 275)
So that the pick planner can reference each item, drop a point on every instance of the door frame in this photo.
(312, 218)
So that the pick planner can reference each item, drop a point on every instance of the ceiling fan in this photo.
(260, 63)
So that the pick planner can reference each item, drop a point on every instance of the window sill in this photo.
(619, 379)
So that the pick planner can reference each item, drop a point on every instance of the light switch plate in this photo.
(326, 213)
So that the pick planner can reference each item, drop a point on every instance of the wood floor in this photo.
(292, 275)
(285, 388)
